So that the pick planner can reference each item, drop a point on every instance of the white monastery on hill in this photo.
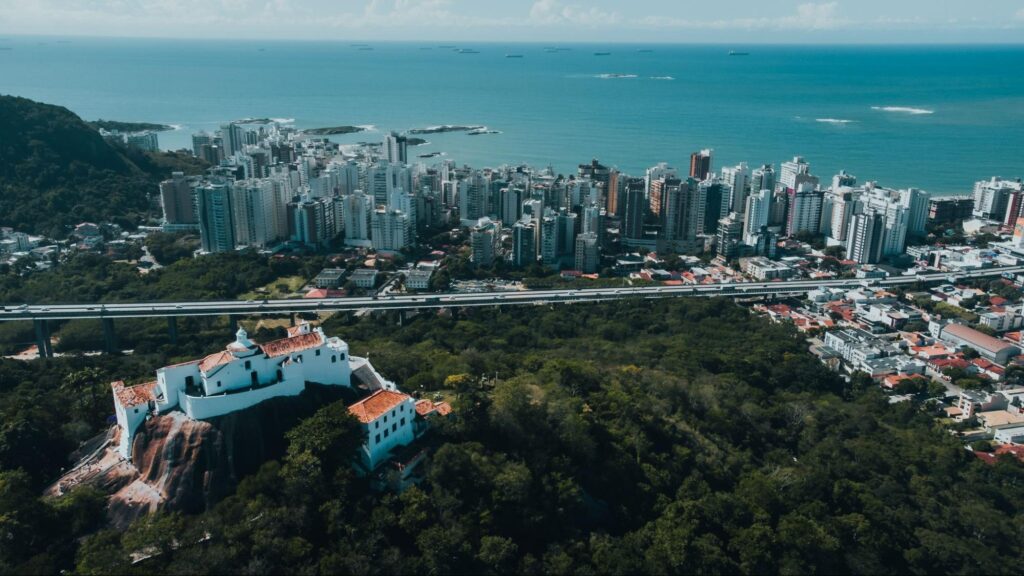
(246, 373)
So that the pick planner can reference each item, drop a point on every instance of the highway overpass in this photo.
(108, 312)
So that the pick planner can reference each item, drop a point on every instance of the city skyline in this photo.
(649, 21)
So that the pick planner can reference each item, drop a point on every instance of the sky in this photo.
(682, 21)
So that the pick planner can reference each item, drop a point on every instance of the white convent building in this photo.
(247, 373)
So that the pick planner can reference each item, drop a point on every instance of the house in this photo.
(1009, 434)
(242, 375)
(388, 419)
(972, 402)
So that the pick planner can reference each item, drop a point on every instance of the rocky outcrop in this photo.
(190, 465)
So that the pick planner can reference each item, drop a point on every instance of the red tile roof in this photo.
(286, 346)
(376, 405)
(129, 396)
(425, 407)
(214, 360)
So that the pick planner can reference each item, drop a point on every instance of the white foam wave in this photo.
(903, 110)
(284, 120)
(614, 76)
(834, 121)
(367, 127)
(177, 127)
(662, 78)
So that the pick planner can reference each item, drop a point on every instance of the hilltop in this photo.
(56, 170)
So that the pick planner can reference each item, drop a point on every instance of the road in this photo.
(413, 301)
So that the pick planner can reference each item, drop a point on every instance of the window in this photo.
(318, 352)
(342, 357)
(333, 358)
(136, 410)
(394, 427)
(300, 358)
(248, 365)
(218, 383)
(385, 433)
(377, 439)
(385, 418)
(376, 424)
(392, 412)
(403, 422)
(189, 381)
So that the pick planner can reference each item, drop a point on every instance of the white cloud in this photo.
(547, 12)
(1019, 15)
(809, 16)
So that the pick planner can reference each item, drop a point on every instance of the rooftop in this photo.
(375, 405)
(976, 338)
(286, 346)
(129, 396)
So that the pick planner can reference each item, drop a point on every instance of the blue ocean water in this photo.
(937, 118)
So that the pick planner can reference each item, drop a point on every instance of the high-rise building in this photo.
(789, 176)
(682, 218)
(758, 210)
(803, 214)
(178, 200)
(880, 229)
(549, 238)
(950, 209)
(524, 243)
(915, 202)
(633, 209)
(483, 238)
(253, 205)
(865, 240)
(396, 148)
(700, 164)
(712, 204)
(844, 202)
(655, 176)
(474, 193)
(357, 208)
(730, 236)
(843, 180)
(588, 256)
(146, 140)
(567, 224)
(511, 206)
(389, 230)
(216, 217)
(311, 221)
(992, 196)
(592, 220)
(762, 178)
(736, 180)
(233, 138)
(199, 140)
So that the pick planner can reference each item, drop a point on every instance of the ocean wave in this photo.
(834, 121)
(367, 127)
(903, 110)
(284, 120)
(662, 78)
(177, 127)
(613, 76)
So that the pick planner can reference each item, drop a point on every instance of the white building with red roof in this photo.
(389, 420)
(241, 376)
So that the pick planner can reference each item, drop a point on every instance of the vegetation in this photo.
(668, 436)
(56, 170)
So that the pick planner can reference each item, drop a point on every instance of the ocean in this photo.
(932, 117)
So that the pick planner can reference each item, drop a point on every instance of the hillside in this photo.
(56, 170)
(678, 436)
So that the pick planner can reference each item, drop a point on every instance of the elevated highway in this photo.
(108, 312)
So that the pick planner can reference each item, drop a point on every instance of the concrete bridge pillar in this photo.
(43, 339)
(172, 329)
(109, 336)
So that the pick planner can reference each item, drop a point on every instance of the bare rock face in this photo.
(190, 465)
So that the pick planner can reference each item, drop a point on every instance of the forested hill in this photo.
(56, 170)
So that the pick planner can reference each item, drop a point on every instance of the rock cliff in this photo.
(190, 465)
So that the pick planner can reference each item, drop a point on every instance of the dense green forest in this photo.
(682, 436)
(56, 170)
